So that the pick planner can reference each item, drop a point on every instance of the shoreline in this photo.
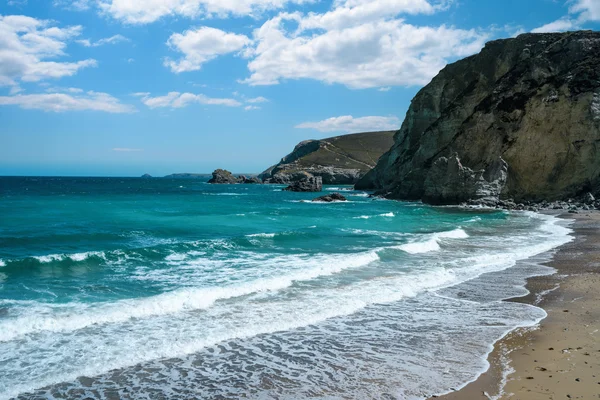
(567, 340)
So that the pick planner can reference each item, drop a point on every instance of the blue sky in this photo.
(126, 87)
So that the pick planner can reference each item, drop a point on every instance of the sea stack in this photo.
(222, 176)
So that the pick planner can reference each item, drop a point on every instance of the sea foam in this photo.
(433, 242)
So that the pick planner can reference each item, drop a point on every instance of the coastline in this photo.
(559, 358)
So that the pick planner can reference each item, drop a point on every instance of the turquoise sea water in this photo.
(157, 288)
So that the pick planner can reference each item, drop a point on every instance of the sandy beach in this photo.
(560, 358)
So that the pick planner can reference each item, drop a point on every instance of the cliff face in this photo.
(532, 102)
(337, 160)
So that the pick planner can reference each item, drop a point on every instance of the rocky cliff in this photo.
(521, 120)
(337, 160)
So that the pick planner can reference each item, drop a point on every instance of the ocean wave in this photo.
(77, 257)
(262, 235)
(387, 215)
(72, 317)
(433, 242)
(2, 263)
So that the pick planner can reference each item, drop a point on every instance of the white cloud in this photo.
(61, 102)
(109, 40)
(179, 100)
(250, 108)
(360, 44)
(258, 99)
(74, 5)
(559, 25)
(126, 150)
(147, 11)
(348, 123)
(589, 9)
(202, 45)
(27, 43)
(580, 12)
(384, 89)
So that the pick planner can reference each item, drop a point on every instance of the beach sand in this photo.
(560, 358)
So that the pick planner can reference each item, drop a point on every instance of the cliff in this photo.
(520, 120)
(337, 160)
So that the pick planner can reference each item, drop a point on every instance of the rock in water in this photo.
(338, 160)
(250, 180)
(532, 101)
(221, 176)
(330, 198)
(308, 184)
(146, 176)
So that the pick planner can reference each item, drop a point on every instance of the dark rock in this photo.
(146, 176)
(533, 101)
(589, 198)
(449, 182)
(250, 180)
(330, 198)
(221, 176)
(308, 184)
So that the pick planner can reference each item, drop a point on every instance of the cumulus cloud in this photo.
(109, 40)
(348, 123)
(147, 11)
(258, 99)
(580, 12)
(179, 100)
(71, 101)
(27, 43)
(202, 45)
(589, 9)
(74, 5)
(359, 43)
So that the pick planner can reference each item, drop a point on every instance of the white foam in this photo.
(2, 263)
(433, 242)
(49, 258)
(386, 215)
(85, 256)
(77, 257)
(262, 235)
(68, 318)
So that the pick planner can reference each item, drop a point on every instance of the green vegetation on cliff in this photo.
(338, 160)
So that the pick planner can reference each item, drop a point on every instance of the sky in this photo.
(127, 87)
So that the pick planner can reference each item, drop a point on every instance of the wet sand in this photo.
(559, 359)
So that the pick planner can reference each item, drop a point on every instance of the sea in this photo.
(128, 288)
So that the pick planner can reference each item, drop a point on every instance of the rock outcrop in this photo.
(532, 102)
(337, 160)
(222, 176)
(449, 182)
(330, 198)
(146, 176)
(308, 184)
(249, 179)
